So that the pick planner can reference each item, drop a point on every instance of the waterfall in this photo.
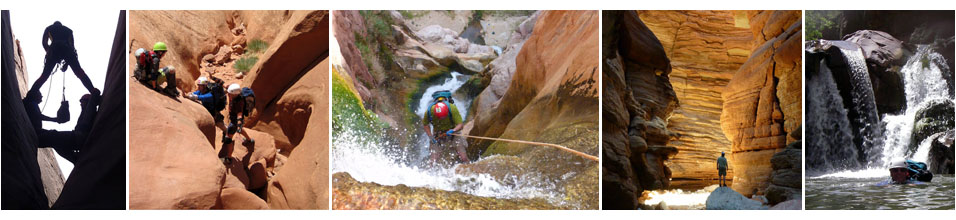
(923, 82)
(829, 132)
(864, 104)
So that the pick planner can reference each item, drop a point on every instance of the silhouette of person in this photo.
(58, 44)
(722, 169)
(65, 143)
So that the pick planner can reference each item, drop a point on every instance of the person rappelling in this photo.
(148, 71)
(441, 121)
(58, 44)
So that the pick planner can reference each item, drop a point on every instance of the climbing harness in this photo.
(581, 154)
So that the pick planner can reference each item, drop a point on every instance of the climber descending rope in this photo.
(579, 153)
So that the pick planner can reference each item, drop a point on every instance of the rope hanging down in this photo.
(581, 154)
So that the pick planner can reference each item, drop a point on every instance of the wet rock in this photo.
(501, 69)
(936, 116)
(941, 154)
(884, 57)
(635, 91)
(725, 198)
(350, 194)
(551, 99)
(794, 204)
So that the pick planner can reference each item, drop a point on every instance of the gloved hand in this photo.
(63, 114)
(449, 132)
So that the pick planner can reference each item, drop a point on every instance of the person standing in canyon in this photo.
(722, 169)
(444, 117)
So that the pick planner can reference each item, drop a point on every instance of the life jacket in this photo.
(218, 94)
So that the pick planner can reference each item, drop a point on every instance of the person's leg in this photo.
(246, 139)
(63, 142)
(74, 63)
(48, 65)
(462, 154)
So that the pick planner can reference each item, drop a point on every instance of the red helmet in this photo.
(440, 110)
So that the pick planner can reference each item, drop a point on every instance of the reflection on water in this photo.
(861, 192)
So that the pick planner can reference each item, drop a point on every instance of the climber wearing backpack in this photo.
(241, 102)
(443, 116)
(211, 95)
(147, 70)
(58, 44)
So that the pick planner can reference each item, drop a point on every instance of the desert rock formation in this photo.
(286, 167)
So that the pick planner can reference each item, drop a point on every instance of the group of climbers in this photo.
(443, 116)
(58, 43)
(210, 93)
(241, 100)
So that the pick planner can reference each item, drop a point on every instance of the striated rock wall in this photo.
(762, 102)
(705, 48)
(637, 97)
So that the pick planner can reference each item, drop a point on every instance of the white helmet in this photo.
(139, 52)
(202, 80)
(233, 89)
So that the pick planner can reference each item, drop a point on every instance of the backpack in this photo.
(447, 103)
(249, 98)
(218, 94)
(918, 171)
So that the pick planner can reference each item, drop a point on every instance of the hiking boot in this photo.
(249, 141)
(172, 91)
(226, 140)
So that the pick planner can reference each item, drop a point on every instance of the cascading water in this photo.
(385, 163)
(924, 83)
(830, 131)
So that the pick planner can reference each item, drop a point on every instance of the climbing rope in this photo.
(50, 86)
(579, 153)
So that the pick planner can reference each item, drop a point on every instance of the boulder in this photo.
(940, 158)
(794, 204)
(303, 180)
(501, 69)
(884, 57)
(935, 116)
(172, 163)
(786, 179)
(240, 198)
(724, 198)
